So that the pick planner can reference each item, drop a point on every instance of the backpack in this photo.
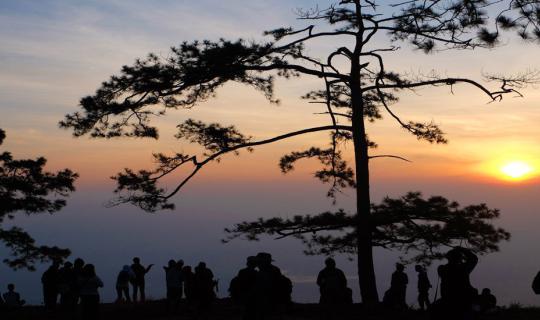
(536, 284)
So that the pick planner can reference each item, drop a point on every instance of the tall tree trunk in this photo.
(364, 246)
(366, 271)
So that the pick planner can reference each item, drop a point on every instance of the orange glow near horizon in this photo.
(512, 169)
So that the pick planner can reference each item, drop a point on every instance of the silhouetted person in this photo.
(65, 279)
(267, 285)
(122, 284)
(487, 301)
(12, 299)
(242, 288)
(180, 267)
(399, 286)
(457, 293)
(89, 283)
(49, 279)
(204, 287)
(333, 288)
(189, 284)
(173, 280)
(78, 266)
(423, 287)
(138, 282)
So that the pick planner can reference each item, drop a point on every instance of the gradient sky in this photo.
(54, 52)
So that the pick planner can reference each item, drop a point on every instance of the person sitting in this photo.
(12, 299)
(332, 284)
(487, 301)
(333, 288)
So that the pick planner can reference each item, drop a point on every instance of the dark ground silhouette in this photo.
(226, 309)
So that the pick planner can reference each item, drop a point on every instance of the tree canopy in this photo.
(422, 229)
(25, 187)
(356, 86)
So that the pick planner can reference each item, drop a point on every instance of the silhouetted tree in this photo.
(26, 188)
(422, 228)
(356, 87)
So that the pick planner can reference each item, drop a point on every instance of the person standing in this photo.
(204, 287)
(267, 285)
(242, 288)
(423, 287)
(49, 279)
(122, 284)
(173, 280)
(189, 284)
(180, 267)
(78, 266)
(89, 283)
(138, 282)
(399, 286)
(65, 280)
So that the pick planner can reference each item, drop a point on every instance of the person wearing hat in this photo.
(267, 285)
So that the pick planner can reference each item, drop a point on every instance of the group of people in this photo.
(134, 275)
(395, 296)
(459, 299)
(197, 287)
(73, 283)
(260, 287)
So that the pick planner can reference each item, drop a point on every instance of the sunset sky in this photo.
(52, 53)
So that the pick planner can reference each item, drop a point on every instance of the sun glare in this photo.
(516, 170)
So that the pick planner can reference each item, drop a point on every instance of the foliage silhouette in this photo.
(356, 87)
(411, 224)
(26, 187)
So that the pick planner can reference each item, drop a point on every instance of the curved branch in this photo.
(445, 81)
(389, 156)
(199, 165)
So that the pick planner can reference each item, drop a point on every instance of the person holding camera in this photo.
(457, 293)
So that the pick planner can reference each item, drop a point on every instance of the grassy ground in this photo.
(158, 310)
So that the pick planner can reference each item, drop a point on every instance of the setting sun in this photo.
(516, 170)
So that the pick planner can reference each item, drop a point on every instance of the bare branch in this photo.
(389, 156)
